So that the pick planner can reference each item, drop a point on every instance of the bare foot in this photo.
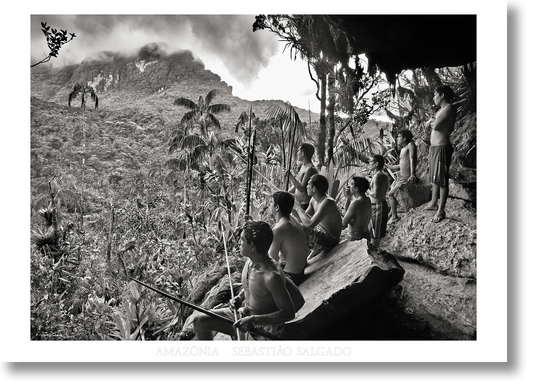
(438, 217)
(394, 219)
(431, 206)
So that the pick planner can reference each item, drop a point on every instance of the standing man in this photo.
(407, 168)
(322, 218)
(440, 151)
(264, 298)
(289, 246)
(308, 169)
(378, 194)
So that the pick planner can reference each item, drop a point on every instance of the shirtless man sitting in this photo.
(440, 150)
(406, 167)
(289, 246)
(308, 169)
(322, 218)
(264, 298)
(358, 211)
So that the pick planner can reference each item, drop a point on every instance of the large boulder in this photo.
(438, 291)
(348, 280)
(448, 247)
(413, 194)
(445, 305)
(463, 183)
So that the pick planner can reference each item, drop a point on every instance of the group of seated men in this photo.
(305, 222)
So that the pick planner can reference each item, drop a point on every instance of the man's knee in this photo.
(200, 321)
(391, 196)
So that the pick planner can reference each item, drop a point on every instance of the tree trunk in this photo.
(331, 115)
(321, 146)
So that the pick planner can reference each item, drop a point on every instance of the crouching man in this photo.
(264, 298)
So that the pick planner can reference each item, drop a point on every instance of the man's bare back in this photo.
(358, 216)
(326, 215)
(289, 245)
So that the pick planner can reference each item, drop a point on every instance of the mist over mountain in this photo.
(152, 77)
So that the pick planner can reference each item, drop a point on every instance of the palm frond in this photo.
(188, 117)
(210, 96)
(191, 142)
(212, 120)
(219, 108)
(186, 103)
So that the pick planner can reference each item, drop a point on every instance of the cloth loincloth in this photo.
(320, 238)
(397, 185)
(378, 222)
(440, 159)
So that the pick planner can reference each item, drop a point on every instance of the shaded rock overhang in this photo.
(400, 42)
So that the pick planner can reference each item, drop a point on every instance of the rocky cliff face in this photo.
(148, 82)
(439, 286)
(139, 75)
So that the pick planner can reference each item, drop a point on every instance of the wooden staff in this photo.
(249, 193)
(189, 304)
(205, 311)
(237, 331)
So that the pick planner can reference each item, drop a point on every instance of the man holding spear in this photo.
(308, 169)
(264, 298)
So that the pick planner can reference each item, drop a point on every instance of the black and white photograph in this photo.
(237, 186)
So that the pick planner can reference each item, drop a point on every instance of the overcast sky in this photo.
(504, 85)
(251, 62)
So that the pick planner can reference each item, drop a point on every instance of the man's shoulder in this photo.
(281, 227)
(310, 167)
(449, 110)
(362, 201)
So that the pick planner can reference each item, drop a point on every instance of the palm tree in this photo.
(310, 37)
(201, 113)
(292, 131)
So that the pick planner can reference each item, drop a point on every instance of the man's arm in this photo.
(444, 119)
(350, 214)
(311, 221)
(275, 247)
(412, 160)
(381, 182)
(302, 186)
(276, 286)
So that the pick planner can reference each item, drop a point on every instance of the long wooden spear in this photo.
(250, 178)
(256, 331)
(189, 304)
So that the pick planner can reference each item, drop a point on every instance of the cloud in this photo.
(227, 40)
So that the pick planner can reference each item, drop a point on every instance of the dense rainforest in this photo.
(154, 179)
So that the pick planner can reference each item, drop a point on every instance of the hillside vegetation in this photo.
(102, 210)
(127, 190)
